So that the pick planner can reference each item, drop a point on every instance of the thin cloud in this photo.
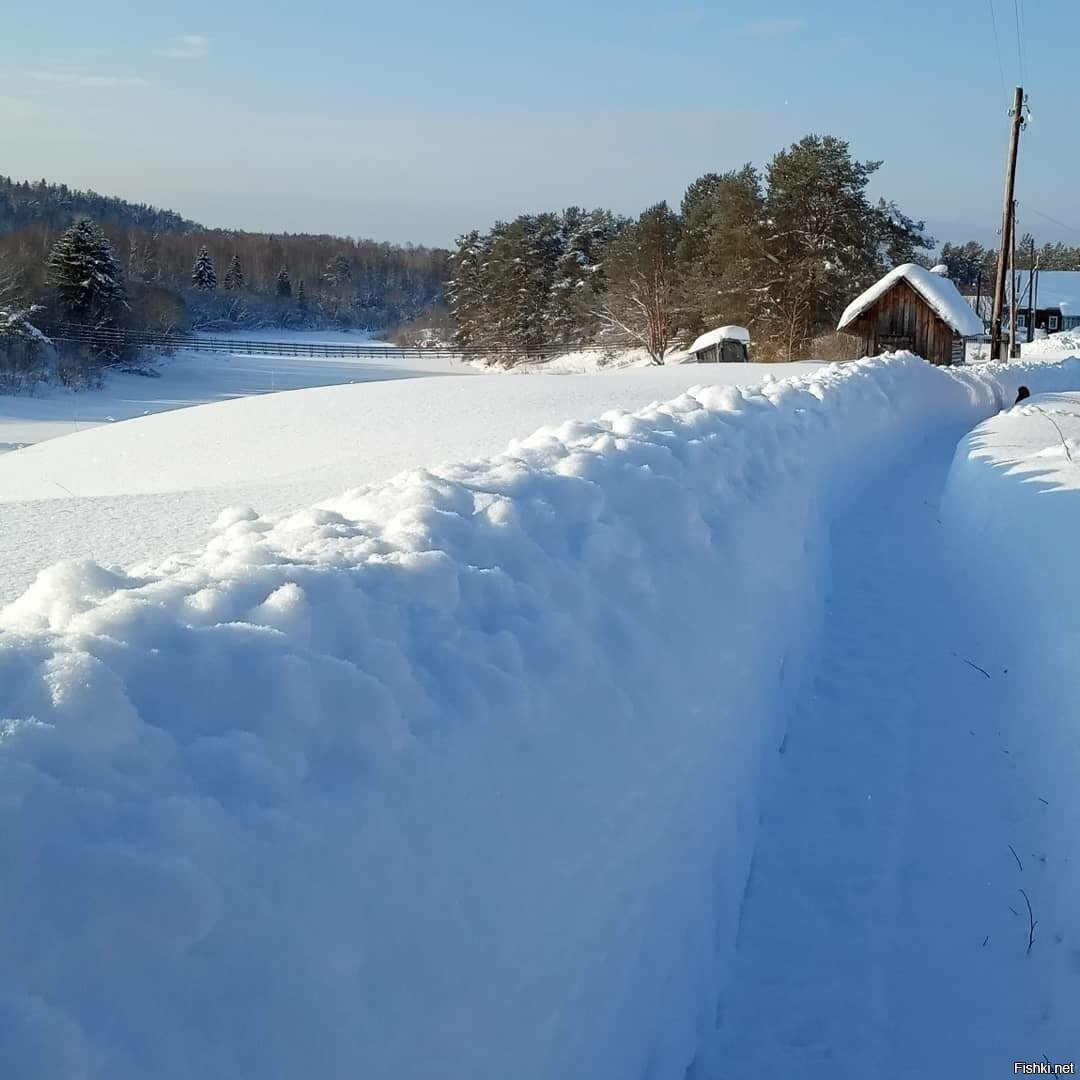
(186, 47)
(773, 27)
(86, 82)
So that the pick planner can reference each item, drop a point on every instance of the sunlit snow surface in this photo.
(459, 774)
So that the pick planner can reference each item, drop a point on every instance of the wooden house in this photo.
(913, 309)
(1056, 301)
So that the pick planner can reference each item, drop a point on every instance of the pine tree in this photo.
(234, 275)
(204, 276)
(640, 302)
(301, 297)
(722, 265)
(85, 276)
(284, 285)
(827, 239)
(465, 289)
(338, 270)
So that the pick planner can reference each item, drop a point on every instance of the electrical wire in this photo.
(1052, 220)
(1019, 44)
(997, 50)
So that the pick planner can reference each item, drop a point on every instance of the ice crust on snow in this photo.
(454, 775)
(939, 292)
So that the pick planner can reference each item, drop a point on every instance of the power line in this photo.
(1019, 43)
(1053, 220)
(997, 50)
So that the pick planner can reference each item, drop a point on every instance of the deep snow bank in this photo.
(166, 477)
(455, 777)
(1012, 508)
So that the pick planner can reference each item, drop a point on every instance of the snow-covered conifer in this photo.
(203, 275)
(84, 274)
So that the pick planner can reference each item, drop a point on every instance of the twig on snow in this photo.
(1032, 922)
(1017, 858)
(1061, 434)
(973, 665)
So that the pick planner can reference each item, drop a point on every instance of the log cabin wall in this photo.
(902, 319)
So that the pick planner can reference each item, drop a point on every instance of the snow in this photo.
(722, 333)
(1053, 346)
(883, 920)
(1012, 511)
(193, 378)
(168, 476)
(460, 773)
(939, 292)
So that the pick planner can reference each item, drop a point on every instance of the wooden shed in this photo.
(725, 345)
(916, 310)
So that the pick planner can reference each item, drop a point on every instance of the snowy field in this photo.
(191, 378)
(652, 745)
(168, 475)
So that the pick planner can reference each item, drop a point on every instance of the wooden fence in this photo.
(163, 341)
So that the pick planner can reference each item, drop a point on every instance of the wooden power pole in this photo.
(1006, 225)
(1014, 351)
(1033, 277)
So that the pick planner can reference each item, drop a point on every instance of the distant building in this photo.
(1057, 300)
(915, 310)
(725, 345)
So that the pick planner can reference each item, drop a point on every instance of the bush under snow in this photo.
(453, 777)
(26, 354)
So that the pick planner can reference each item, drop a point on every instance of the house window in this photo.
(1053, 322)
(1021, 322)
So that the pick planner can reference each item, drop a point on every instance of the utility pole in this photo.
(1006, 223)
(1012, 284)
(1032, 279)
(1035, 300)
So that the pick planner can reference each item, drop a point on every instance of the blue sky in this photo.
(416, 120)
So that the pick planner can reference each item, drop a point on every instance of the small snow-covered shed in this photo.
(725, 345)
(915, 309)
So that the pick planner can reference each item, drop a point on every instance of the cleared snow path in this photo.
(882, 932)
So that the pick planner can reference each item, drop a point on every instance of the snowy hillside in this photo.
(637, 749)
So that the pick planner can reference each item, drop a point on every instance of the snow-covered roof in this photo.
(1057, 289)
(723, 333)
(939, 292)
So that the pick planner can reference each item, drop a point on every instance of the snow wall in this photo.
(455, 777)
(1012, 510)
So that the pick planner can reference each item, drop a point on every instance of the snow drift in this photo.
(1012, 509)
(454, 776)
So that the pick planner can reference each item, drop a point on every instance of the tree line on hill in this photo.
(171, 273)
(780, 251)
